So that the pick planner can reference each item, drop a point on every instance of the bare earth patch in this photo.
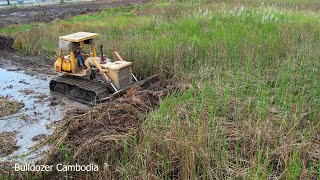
(9, 106)
(47, 13)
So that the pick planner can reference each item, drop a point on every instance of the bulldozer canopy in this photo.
(78, 37)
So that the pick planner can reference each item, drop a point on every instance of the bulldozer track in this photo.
(92, 92)
(80, 89)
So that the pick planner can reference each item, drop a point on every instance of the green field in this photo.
(248, 107)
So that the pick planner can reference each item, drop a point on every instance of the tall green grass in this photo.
(250, 74)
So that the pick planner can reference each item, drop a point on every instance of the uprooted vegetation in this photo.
(7, 143)
(9, 106)
(106, 126)
(249, 109)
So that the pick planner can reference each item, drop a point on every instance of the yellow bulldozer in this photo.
(99, 79)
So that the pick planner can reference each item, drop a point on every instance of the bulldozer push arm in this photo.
(103, 74)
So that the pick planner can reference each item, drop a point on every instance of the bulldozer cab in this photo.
(67, 62)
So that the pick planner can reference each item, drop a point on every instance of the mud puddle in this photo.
(35, 120)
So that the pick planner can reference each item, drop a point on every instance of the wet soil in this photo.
(34, 122)
(8, 143)
(12, 60)
(47, 13)
(9, 106)
(32, 65)
(6, 43)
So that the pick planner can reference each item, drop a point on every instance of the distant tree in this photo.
(8, 2)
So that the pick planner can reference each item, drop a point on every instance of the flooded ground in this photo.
(36, 119)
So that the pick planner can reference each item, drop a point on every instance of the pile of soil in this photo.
(92, 133)
(8, 106)
(6, 43)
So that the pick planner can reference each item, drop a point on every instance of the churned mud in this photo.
(6, 43)
(15, 61)
(32, 122)
(9, 106)
(7, 143)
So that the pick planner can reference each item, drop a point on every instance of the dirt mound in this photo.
(6, 43)
(92, 133)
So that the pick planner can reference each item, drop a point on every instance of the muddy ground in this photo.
(9, 106)
(32, 123)
(12, 60)
(6, 43)
(7, 143)
(33, 65)
(47, 13)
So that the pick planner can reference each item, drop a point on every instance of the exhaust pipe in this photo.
(102, 59)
